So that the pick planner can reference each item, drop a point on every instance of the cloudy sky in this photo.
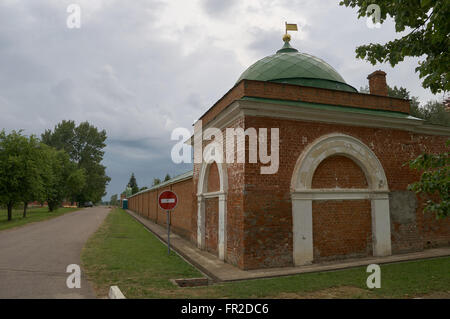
(141, 68)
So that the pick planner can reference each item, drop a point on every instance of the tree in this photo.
(432, 112)
(113, 201)
(143, 188)
(84, 144)
(33, 187)
(434, 181)
(62, 177)
(429, 37)
(19, 175)
(167, 177)
(156, 181)
(133, 184)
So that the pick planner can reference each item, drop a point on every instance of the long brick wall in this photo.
(146, 205)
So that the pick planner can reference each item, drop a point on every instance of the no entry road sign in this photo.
(167, 200)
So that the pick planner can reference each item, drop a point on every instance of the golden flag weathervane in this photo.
(289, 27)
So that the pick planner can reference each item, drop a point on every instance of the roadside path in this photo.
(33, 258)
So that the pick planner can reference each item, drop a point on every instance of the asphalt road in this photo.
(34, 258)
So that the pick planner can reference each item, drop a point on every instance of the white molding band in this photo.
(339, 194)
(274, 110)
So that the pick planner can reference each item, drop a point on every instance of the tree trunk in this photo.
(10, 207)
(25, 205)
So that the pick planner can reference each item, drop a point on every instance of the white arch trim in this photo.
(302, 194)
(338, 144)
(202, 194)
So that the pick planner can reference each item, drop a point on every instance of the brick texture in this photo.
(211, 224)
(342, 229)
(338, 172)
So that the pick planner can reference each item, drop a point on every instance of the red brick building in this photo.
(340, 189)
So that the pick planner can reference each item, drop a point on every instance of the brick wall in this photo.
(235, 197)
(338, 172)
(213, 178)
(267, 205)
(146, 205)
(259, 214)
(342, 229)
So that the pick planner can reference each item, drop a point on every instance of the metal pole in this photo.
(168, 232)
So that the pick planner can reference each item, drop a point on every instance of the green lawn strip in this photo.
(401, 280)
(124, 253)
(33, 215)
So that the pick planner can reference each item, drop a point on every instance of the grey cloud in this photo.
(121, 75)
(218, 7)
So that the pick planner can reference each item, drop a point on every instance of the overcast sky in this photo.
(141, 68)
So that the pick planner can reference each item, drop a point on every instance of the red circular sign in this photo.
(167, 200)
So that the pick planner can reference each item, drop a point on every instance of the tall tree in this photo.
(428, 36)
(114, 200)
(33, 187)
(62, 177)
(19, 171)
(156, 181)
(133, 184)
(167, 177)
(84, 144)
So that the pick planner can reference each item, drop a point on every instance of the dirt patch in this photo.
(344, 292)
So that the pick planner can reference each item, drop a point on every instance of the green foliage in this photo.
(434, 182)
(432, 112)
(167, 177)
(20, 180)
(429, 37)
(133, 184)
(84, 144)
(62, 178)
(114, 200)
(156, 181)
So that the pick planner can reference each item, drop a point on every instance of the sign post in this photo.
(168, 200)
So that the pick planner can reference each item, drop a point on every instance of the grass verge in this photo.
(33, 215)
(124, 253)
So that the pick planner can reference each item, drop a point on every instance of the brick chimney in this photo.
(377, 83)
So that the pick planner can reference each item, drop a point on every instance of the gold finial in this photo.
(287, 37)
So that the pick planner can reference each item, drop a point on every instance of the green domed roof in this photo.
(290, 66)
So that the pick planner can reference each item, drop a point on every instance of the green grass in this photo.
(33, 215)
(124, 253)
